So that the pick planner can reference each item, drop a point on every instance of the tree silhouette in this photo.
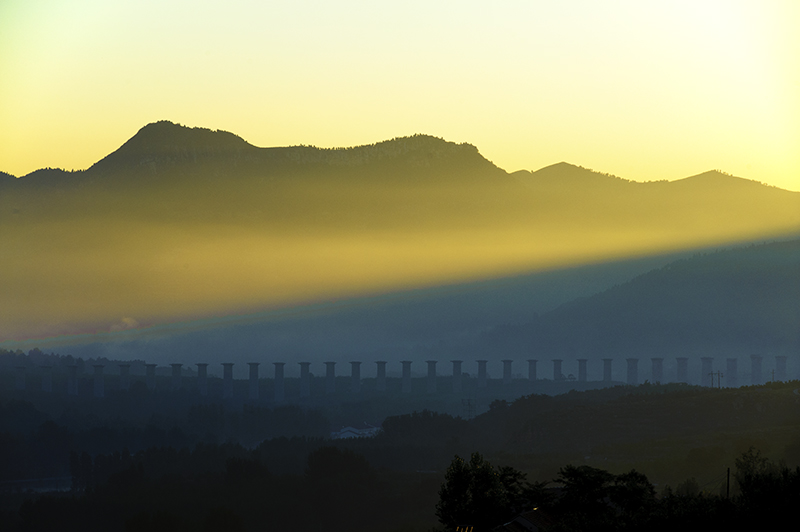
(476, 495)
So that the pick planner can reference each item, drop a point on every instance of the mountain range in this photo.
(197, 226)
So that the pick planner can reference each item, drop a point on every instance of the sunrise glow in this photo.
(644, 90)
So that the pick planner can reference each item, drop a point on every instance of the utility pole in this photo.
(728, 485)
(719, 375)
(469, 407)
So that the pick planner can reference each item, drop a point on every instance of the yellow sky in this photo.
(643, 90)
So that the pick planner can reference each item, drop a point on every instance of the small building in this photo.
(352, 432)
(532, 521)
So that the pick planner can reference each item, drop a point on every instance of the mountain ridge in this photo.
(731, 302)
(167, 142)
(196, 231)
(164, 139)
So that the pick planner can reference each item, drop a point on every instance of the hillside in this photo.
(188, 223)
(691, 205)
(729, 303)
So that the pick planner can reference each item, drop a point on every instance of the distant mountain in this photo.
(689, 205)
(568, 177)
(173, 173)
(187, 223)
(165, 143)
(729, 303)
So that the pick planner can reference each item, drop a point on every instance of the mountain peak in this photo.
(166, 141)
(165, 135)
(718, 178)
(568, 176)
(564, 170)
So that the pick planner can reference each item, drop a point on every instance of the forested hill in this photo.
(164, 152)
(6, 178)
(164, 143)
(730, 303)
(170, 173)
(688, 205)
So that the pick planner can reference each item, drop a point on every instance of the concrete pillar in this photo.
(780, 368)
(202, 379)
(406, 383)
(227, 380)
(755, 369)
(507, 371)
(582, 369)
(47, 379)
(431, 384)
(252, 389)
(330, 377)
(150, 376)
(482, 374)
(355, 377)
(557, 374)
(607, 369)
(20, 381)
(175, 383)
(633, 371)
(732, 373)
(683, 369)
(532, 369)
(280, 392)
(124, 377)
(457, 375)
(72, 380)
(99, 381)
(657, 374)
(305, 380)
(706, 371)
(380, 376)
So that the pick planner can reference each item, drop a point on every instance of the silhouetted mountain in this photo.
(165, 143)
(568, 177)
(715, 179)
(168, 143)
(43, 178)
(217, 158)
(686, 205)
(6, 178)
(173, 173)
(187, 223)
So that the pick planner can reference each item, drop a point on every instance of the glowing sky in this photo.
(643, 90)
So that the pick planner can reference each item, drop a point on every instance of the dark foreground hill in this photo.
(679, 436)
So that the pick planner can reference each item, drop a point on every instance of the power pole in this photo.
(728, 485)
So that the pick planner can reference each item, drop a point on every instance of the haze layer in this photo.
(186, 223)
